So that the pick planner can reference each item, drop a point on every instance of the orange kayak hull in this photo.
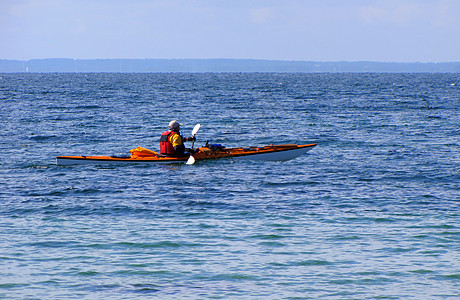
(266, 153)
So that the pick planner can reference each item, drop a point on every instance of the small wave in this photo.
(269, 236)
(454, 277)
(55, 244)
(145, 288)
(42, 138)
(88, 107)
(312, 262)
(88, 273)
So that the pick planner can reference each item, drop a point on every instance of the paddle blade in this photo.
(190, 160)
(195, 129)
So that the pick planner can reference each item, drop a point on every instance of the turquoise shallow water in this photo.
(371, 212)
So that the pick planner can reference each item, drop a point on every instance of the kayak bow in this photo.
(266, 153)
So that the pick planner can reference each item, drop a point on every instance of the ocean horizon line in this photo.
(147, 65)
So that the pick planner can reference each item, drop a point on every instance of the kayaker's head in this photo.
(174, 125)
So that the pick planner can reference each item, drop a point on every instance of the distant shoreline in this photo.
(68, 65)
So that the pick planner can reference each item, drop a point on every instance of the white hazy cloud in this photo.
(327, 30)
(436, 13)
(262, 15)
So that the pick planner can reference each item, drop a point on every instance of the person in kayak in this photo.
(172, 143)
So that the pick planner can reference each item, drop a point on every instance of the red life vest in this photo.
(166, 147)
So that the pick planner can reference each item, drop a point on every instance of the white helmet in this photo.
(174, 125)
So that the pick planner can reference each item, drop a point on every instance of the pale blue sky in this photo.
(312, 30)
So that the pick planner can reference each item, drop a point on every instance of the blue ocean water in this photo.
(371, 213)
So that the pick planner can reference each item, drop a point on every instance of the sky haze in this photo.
(309, 30)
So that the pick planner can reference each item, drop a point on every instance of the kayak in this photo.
(266, 153)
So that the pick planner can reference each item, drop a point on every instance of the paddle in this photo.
(191, 159)
(194, 131)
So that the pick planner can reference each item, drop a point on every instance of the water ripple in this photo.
(372, 212)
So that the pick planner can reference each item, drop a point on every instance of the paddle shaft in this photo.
(191, 159)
